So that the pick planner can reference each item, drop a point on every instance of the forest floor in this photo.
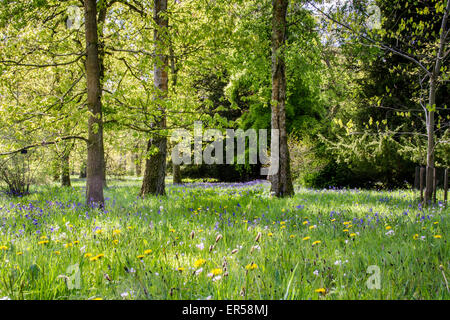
(223, 241)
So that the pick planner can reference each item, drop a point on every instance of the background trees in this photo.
(356, 105)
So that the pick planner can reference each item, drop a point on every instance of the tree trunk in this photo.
(155, 167)
(83, 172)
(176, 168)
(177, 174)
(137, 164)
(281, 181)
(65, 170)
(434, 78)
(95, 159)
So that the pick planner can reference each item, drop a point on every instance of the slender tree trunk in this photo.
(155, 167)
(95, 159)
(176, 168)
(281, 181)
(137, 164)
(434, 78)
(83, 169)
(177, 179)
(65, 170)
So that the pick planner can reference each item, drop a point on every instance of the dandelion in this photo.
(115, 241)
(316, 242)
(312, 227)
(19, 253)
(320, 290)
(116, 232)
(88, 255)
(172, 230)
(352, 234)
(216, 272)
(292, 236)
(43, 242)
(388, 228)
(199, 263)
(415, 236)
(148, 251)
(270, 234)
(345, 230)
(181, 269)
(306, 238)
(251, 266)
(333, 220)
(141, 256)
(3, 248)
(57, 252)
(97, 257)
(68, 245)
(305, 222)
(437, 236)
(43, 238)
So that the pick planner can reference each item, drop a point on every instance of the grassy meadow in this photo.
(222, 241)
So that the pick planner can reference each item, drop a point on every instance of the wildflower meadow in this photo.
(223, 241)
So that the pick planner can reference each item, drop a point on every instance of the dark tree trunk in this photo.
(95, 159)
(177, 174)
(155, 166)
(281, 181)
(83, 168)
(65, 170)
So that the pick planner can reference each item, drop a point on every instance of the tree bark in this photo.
(434, 78)
(65, 170)
(177, 179)
(95, 159)
(281, 181)
(155, 167)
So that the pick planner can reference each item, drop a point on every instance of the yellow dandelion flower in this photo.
(270, 234)
(437, 236)
(181, 269)
(130, 228)
(68, 245)
(305, 222)
(251, 266)
(316, 242)
(148, 251)
(172, 230)
(43, 242)
(141, 256)
(76, 242)
(346, 223)
(282, 227)
(320, 290)
(88, 255)
(345, 230)
(312, 227)
(216, 272)
(352, 234)
(415, 236)
(57, 252)
(43, 238)
(19, 253)
(116, 232)
(388, 228)
(306, 238)
(199, 263)
(333, 220)
(99, 231)
(115, 241)
(292, 236)
(3, 248)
